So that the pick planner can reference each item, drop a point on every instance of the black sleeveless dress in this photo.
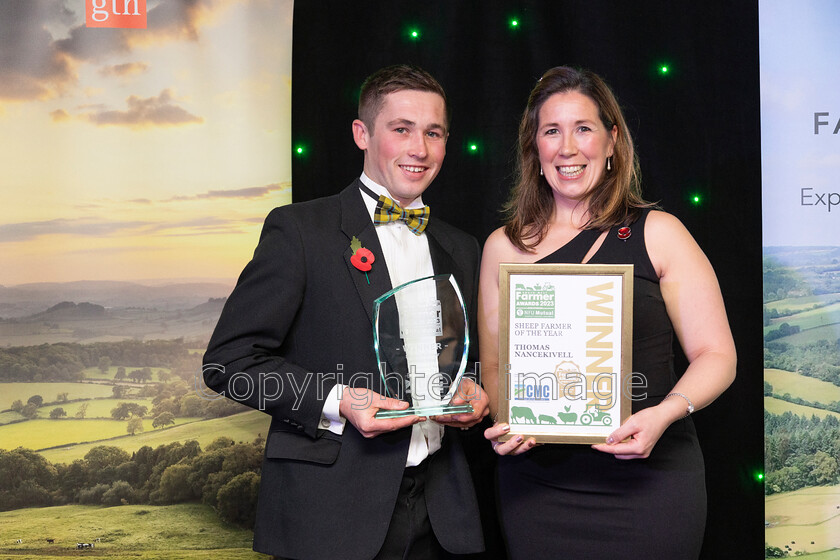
(571, 502)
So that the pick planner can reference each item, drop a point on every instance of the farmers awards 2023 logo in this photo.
(534, 301)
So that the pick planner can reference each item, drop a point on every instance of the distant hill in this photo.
(70, 310)
(213, 306)
(29, 299)
(95, 311)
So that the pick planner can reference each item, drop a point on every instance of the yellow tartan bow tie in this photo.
(389, 211)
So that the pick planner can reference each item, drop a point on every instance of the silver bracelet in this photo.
(689, 409)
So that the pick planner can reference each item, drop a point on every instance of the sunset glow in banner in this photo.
(134, 154)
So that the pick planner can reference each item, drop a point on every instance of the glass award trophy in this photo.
(420, 330)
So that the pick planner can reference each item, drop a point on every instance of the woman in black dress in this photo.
(641, 493)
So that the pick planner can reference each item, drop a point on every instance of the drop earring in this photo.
(541, 171)
(609, 163)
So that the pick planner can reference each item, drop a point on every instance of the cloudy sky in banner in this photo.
(133, 154)
(800, 111)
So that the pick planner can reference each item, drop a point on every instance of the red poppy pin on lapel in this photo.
(623, 233)
(362, 258)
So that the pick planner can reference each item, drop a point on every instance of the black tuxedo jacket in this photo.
(298, 322)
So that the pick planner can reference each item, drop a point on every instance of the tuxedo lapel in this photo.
(356, 222)
(441, 249)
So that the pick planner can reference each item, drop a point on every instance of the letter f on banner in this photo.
(130, 14)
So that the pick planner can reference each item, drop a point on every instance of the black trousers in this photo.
(410, 535)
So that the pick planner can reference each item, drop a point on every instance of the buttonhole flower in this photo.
(362, 258)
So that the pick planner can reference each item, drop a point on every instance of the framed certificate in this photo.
(565, 350)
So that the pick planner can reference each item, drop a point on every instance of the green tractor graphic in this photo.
(596, 415)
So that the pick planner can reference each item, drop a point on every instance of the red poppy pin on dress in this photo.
(362, 258)
(623, 233)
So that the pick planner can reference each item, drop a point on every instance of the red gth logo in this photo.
(116, 13)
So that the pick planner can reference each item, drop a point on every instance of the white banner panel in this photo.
(800, 121)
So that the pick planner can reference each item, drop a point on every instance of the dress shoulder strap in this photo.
(626, 245)
(575, 250)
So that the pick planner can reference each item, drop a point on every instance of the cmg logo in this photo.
(116, 13)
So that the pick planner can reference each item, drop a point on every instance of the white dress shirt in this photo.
(408, 259)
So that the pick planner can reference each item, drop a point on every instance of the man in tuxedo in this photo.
(295, 339)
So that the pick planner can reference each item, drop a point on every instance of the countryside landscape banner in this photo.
(143, 144)
(800, 136)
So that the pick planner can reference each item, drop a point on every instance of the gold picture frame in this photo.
(565, 350)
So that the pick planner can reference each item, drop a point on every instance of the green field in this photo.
(777, 406)
(44, 433)
(808, 388)
(10, 392)
(9, 416)
(177, 532)
(96, 373)
(240, 427)
(828, 332)
(802, 303)
(819, 316)
(811, 319)
(833, 554)
(806, 516)
(97, 408)
(33, 334)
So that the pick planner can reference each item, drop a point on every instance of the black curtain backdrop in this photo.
(696, 131)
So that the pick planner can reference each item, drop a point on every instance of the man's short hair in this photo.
(390, 79)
